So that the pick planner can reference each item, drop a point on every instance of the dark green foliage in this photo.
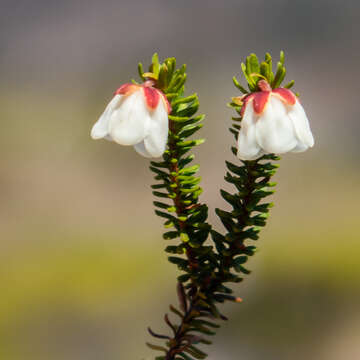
(252, 180)
(177, 177)
(207, 268)
(178, 189)
(255, 71)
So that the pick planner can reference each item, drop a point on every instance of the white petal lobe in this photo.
(274, 130)
(300, 147)
(140, 149)
(301, 124)
(129, 121)
(101, 127)
(155, 141)
(248, 148)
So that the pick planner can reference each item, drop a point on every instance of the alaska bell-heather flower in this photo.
(273, 121)
(137, 115)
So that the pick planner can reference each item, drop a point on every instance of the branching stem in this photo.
(207, 267)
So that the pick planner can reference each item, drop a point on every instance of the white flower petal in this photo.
(140, 149)
(301, 124)
(275, 132)
(108, 138)
(129, 121)
(155, 142)
(248, 148)
(300, 147)
(101, 127)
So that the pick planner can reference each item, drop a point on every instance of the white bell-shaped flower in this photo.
(137, 115)
(273, 121)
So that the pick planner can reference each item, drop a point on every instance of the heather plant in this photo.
(160, 120)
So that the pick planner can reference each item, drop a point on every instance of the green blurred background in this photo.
(82, 268)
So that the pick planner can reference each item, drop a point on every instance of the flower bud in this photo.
(273, 121)
(137, 115)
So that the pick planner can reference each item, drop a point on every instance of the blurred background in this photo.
(81, 263)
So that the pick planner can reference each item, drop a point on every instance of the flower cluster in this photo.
(273, 121)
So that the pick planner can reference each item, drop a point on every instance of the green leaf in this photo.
(289, 85)
(184, 356)
(156, 347)
(169, 235)
(190, 129)
(237, 84)
(178, 261)
(282, 57)
(163, 77)
(184, 237)
(184, 277)
(185, 161)
(158, 186)
(185, 100)
(190, 142)
(232, 199)
(171, 64)
(250, 80)
(241, 269)
(265, 70)
(191, 190)
(160, 205)
(160, 194)
(189, 170)
(176, 311)
(238, 170)
(173, 249)
(279, 77)
(155, 66)
(165, 215)
(252, 64)
(179, 83)
(178, 118)
(240, 260)
(192, 181)
(141, 71)
(268, 60)
(197, 353)
(188, 109)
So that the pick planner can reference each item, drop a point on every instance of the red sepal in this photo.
(261, 98)
(245, 100)
(166, 101)
(126, 89)
(152, 97)
(285, 95)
